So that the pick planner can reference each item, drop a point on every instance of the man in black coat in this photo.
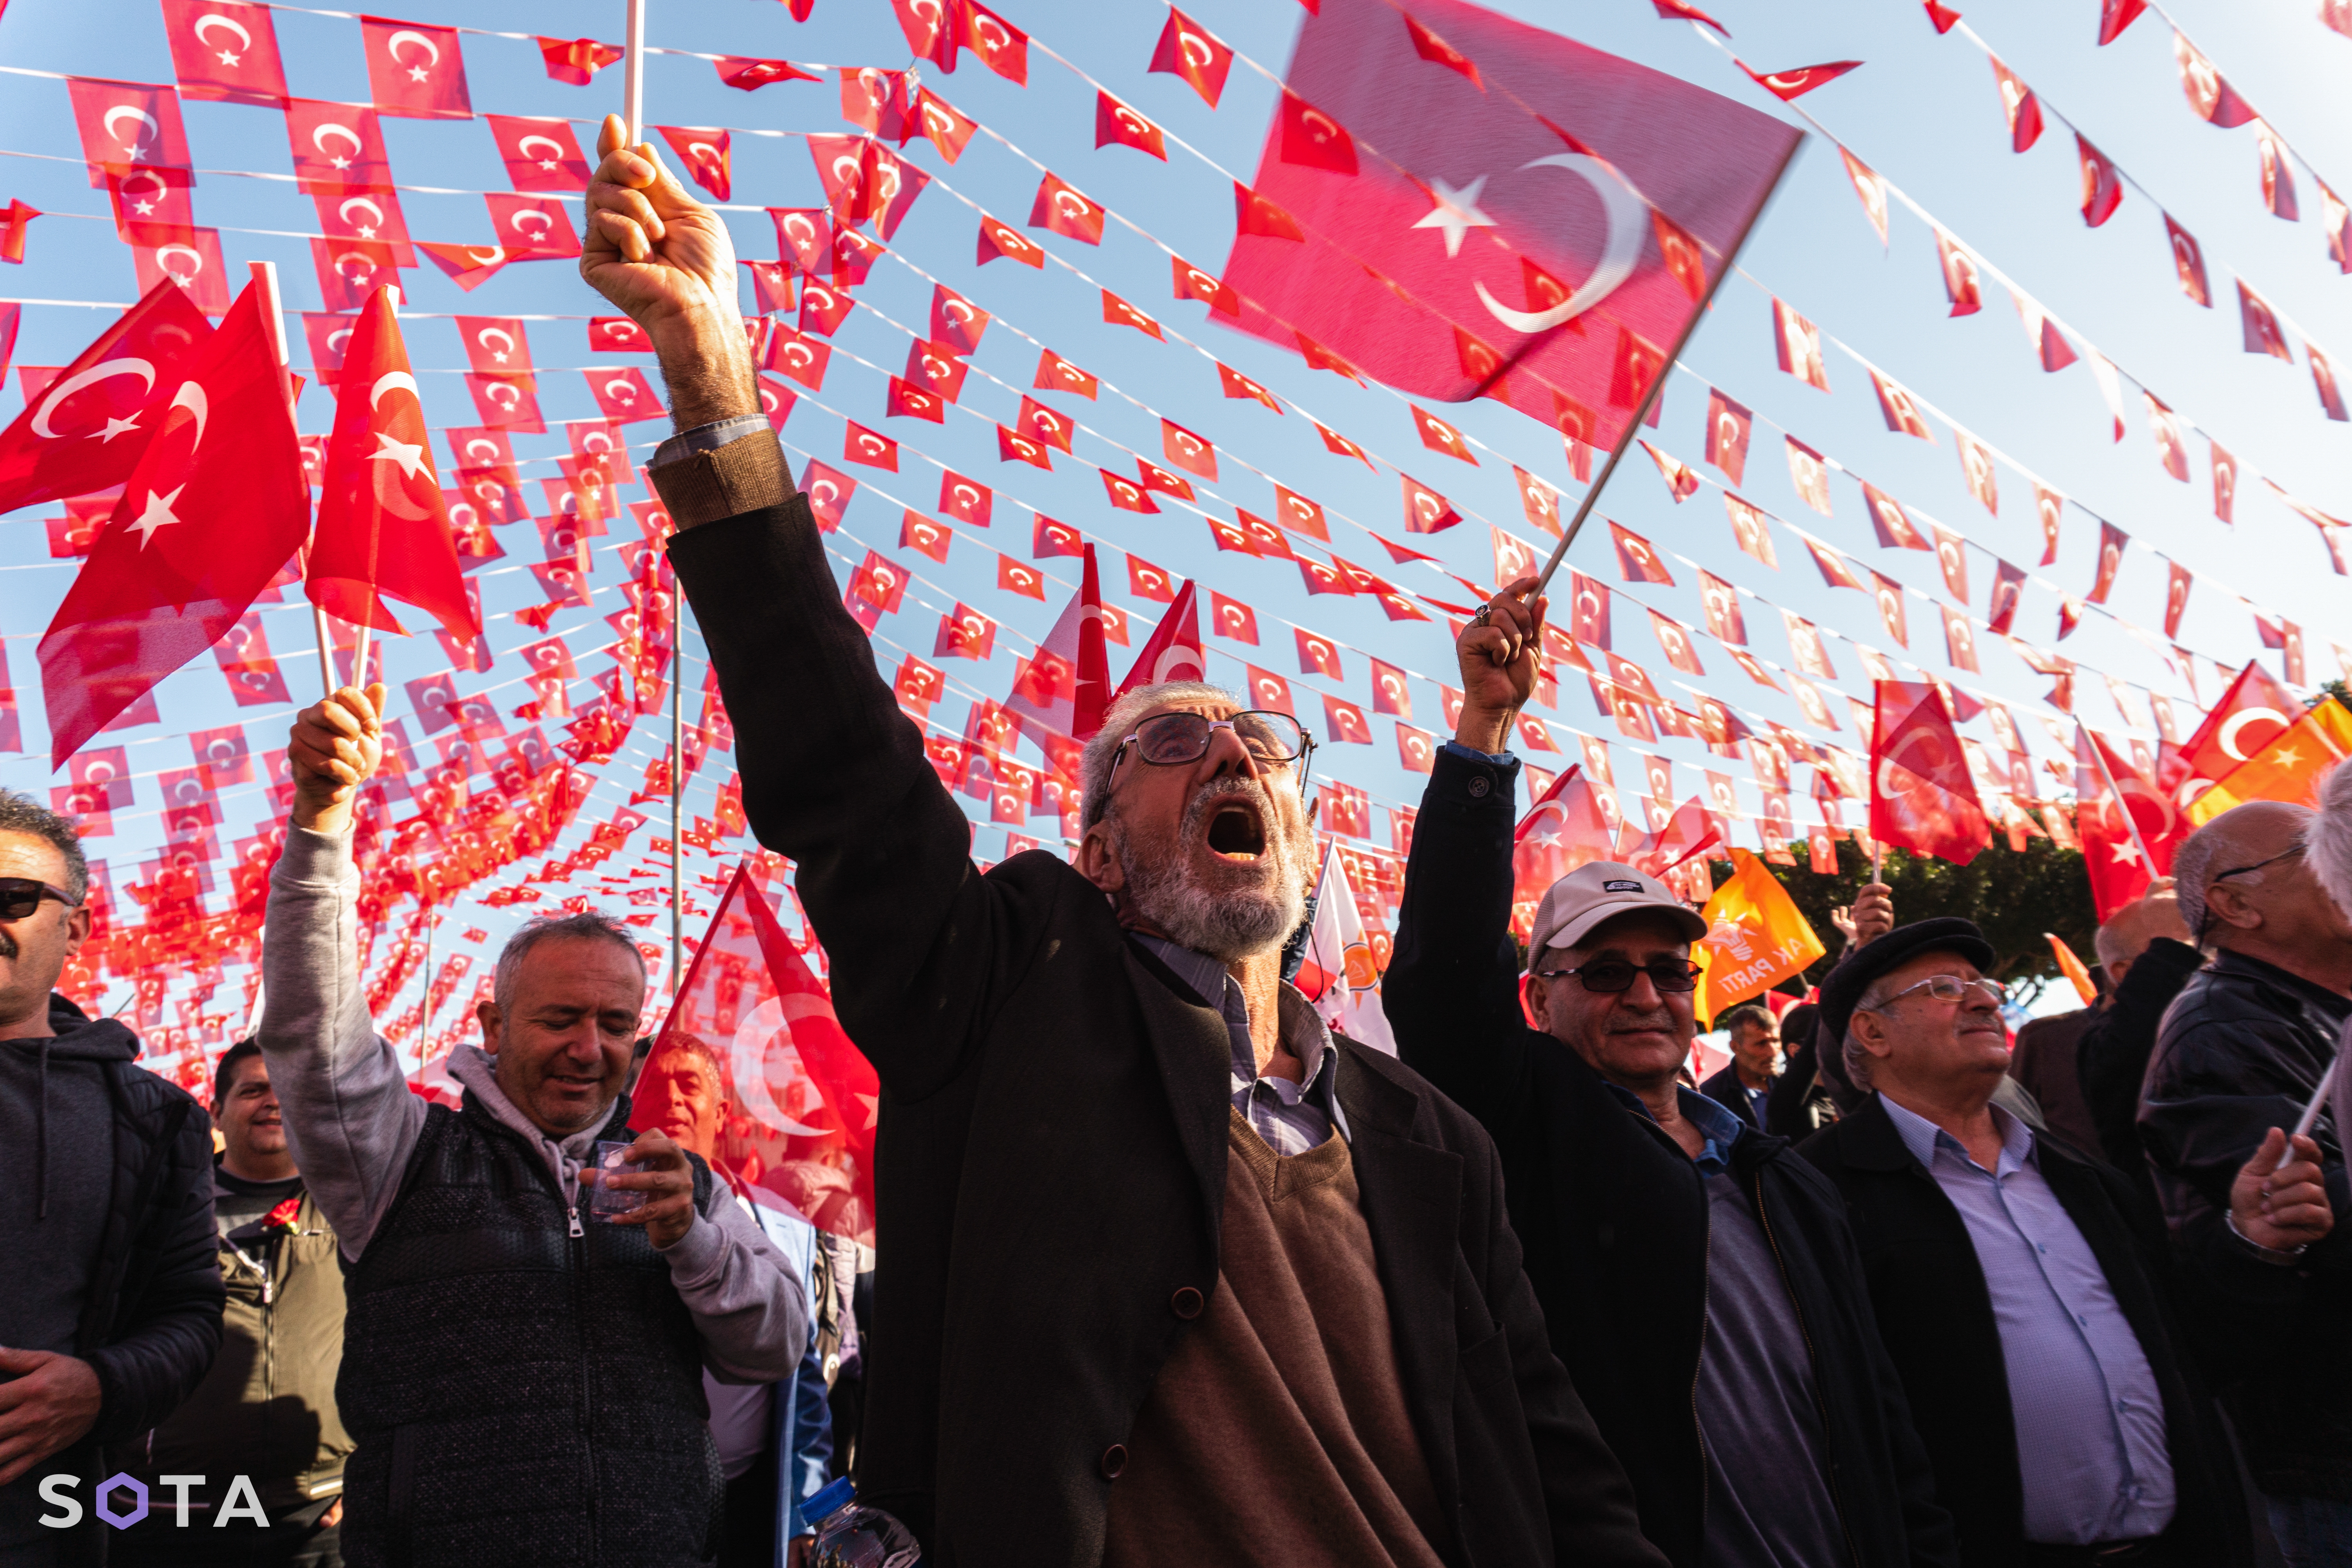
(2022, 1289)
(1696, 1276)
(111, 1309)
(2240, 1052)
(1089, 1074)
(1744, 1084)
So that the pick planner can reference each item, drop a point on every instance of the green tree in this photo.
(2014, 898)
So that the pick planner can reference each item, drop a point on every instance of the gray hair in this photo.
(1874, 996)
(1118, 723)
(2109, 942)
(593, 925)
(23, 813)
(2329, 843)
(1747, 1015)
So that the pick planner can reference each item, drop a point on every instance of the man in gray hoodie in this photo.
(524, 1384)
(111, 1304)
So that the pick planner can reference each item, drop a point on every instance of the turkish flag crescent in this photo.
(415, 69)
(1548, 163)
(2251, 713)
(382, 525)
(216, 504)
(1173, 651)
(86, 430)
(2119, 873)
(1921, 797)
(806, 1100)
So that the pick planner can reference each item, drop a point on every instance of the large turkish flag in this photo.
(1921, 797)
(1548, 216)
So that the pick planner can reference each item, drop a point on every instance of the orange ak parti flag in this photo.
(1921, 797)
(1755, 938)
(804, 1100)
(2071, 968)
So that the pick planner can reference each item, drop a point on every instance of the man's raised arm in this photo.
(349, 1116)
(1451, 990)
(833, 775)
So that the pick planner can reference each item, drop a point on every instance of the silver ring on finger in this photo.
(1486, 612)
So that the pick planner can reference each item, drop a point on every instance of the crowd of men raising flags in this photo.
(1888, 1291)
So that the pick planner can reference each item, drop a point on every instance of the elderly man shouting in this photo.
(1696, 1276)
(2022, 1286)
(525, 1387)
(1166, 1274)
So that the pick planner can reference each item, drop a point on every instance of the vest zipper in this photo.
(578, 1250)
(1820, 1406)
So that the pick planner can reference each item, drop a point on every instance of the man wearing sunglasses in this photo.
(111, 1309)
(2022, 1288)
(2239, 1054)
(1168, 1274)
(1696, 1276)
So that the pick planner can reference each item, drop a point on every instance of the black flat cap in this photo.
(1850, 979)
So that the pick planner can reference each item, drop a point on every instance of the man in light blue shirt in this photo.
(2021, 1288)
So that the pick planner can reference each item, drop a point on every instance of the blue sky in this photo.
(1923, 110)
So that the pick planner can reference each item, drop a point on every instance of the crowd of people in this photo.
(1887, 1291)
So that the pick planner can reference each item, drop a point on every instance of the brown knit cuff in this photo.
(745, 475)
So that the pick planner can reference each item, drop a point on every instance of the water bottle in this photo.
(849, 1536)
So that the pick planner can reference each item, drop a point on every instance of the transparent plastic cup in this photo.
(612, 1157)
(852, 1535)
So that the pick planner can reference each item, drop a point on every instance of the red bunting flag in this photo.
(539, 154)
(1567, 827)
(415, 70)
(1791, 85)
(1189, 50)
(1061, 209)
(2017, 100)
(1173, 651)
(1192, 453)
(751, 73)
(14, 221)
(1637, 562)
(708, 153)
(1729, 424)
(1871, 186)
(2278, 177)
(1921, 795)
(224, 52)
(1902, 411)
(2211, 99)
(576, 60)
(217, 505)
(2103, 185)
(127, 125)
(1798, 344)
(1002, 239)
(1118, 124)
(2260, 326)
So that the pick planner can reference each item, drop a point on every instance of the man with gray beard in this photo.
(1168, 1274)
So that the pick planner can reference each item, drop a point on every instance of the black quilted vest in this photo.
(520, 1396)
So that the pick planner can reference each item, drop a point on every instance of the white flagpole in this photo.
(633, 69)
(2319, 1096)
(360, 658)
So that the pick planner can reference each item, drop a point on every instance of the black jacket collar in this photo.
(2261, 971)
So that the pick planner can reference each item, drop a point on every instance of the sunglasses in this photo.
(1173, 740)
(20, 896)
(1610, 975)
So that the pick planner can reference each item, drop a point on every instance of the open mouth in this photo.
(1236, 833)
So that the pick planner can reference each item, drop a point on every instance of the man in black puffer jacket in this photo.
(2240, 1051)
(111, 1309)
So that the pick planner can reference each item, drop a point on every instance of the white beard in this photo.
(1258, 910)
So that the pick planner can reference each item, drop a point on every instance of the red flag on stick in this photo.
(216, 504)
(1173, 651)
(1383, 279)
(806, 1101)
(1568, 828)
(1068, 684)
(1921, 797)
(2113, 854)
(86, 430)
(384, 527)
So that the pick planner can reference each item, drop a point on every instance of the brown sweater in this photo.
(1276, 1432)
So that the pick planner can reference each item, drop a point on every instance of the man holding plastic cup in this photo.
(524, 1383)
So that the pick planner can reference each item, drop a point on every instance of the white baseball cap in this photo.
(1581, 900)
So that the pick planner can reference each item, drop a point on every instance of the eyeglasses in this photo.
(1172, 740)
(1610, 975)
(1951, 988)
(20, 896)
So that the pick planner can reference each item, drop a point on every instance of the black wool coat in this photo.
(1614, 1216)
(1937, 1318)
(1051, 1148)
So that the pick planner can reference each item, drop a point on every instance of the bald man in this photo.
(2240, 1051)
